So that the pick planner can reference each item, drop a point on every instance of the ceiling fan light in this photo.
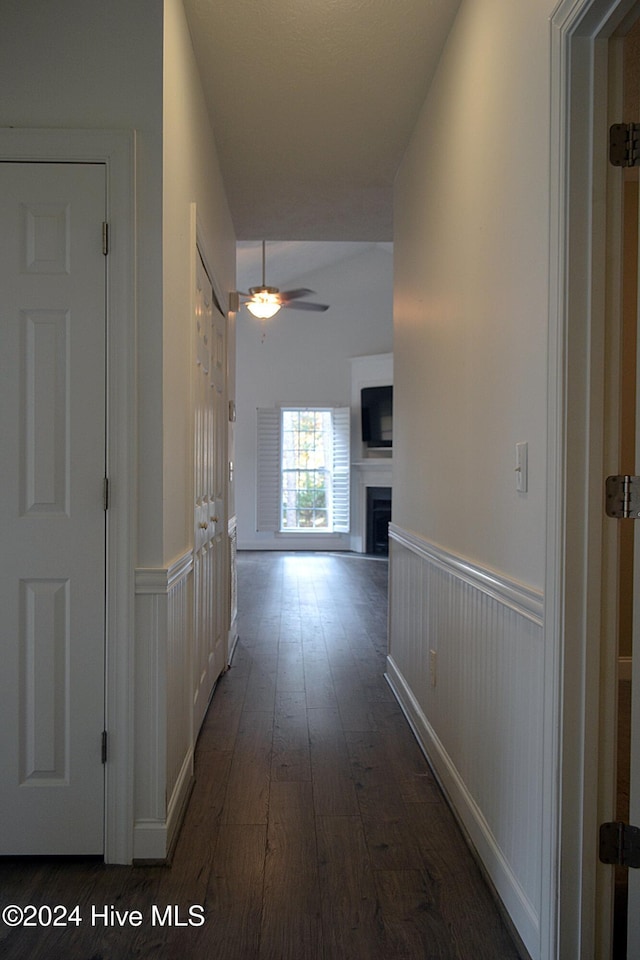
(264, 305)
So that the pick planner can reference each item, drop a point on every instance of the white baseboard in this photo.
(153, 839)
(231, 644)
(296, 541)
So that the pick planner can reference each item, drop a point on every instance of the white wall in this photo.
(192, 184)
(471, 243)
(191, 175)
(304, 359)
(470, 324)
(73, 64)
(77, 64)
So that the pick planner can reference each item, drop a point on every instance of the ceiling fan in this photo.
(264, 302)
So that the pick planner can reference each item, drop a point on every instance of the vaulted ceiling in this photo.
(313, 103)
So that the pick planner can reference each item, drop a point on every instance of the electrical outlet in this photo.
(433, 663)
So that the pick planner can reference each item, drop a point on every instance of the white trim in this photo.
(341, 474)
(376, 472)
(523, 600)
(116, 149)
(297, 541)
(153, 835)
(161, 580)
(268, 469)
(153, 839)
(269, 473)
(574, 461)
(232, 639)
(470, 816)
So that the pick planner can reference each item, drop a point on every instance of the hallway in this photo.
(315, 830)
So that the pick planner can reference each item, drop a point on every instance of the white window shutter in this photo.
(341, 464)
(268, 486)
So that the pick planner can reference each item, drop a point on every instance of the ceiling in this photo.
(288, 261)
(313, 103)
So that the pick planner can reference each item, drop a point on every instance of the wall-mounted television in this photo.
(377, 416)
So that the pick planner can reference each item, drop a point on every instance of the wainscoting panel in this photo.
(466, 663)
(164, 735)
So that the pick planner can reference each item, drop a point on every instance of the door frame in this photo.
(579, 671)
(116, 150)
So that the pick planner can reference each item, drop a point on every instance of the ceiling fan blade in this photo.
(294, 305)
(296, 294)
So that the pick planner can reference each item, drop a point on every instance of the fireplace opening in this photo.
(378, 518)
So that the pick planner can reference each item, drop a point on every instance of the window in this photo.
(303, 470)
(306, 462)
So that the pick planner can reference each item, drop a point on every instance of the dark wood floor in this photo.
(315, 830)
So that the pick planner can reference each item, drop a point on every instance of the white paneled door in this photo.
(52, 516)
(211, 562)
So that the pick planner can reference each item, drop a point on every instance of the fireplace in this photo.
(378, 518)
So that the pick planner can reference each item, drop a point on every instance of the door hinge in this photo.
(105, 237)
(104, 746)
(623, 497)
(623, 144)
(620, 844)
(105, 493)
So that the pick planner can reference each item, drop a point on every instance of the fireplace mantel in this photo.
(365, 473)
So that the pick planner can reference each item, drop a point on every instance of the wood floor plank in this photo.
(334, 787)
(420, 788)
(352, 924)
(290, 702)
(291, 758)
(379, 800)
(234, 894)
(391, 845)
(291, 922)
(261, 691)
(319, 684)
(290, 672)
(247, 797)
(221, 725)
(414, 925)
(355, 709)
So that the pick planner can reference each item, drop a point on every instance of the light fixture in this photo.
(264, 302)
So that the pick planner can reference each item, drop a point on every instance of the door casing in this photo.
(116, 150)
(579, 675)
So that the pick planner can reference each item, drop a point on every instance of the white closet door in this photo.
(52, 518)
(211, 562)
